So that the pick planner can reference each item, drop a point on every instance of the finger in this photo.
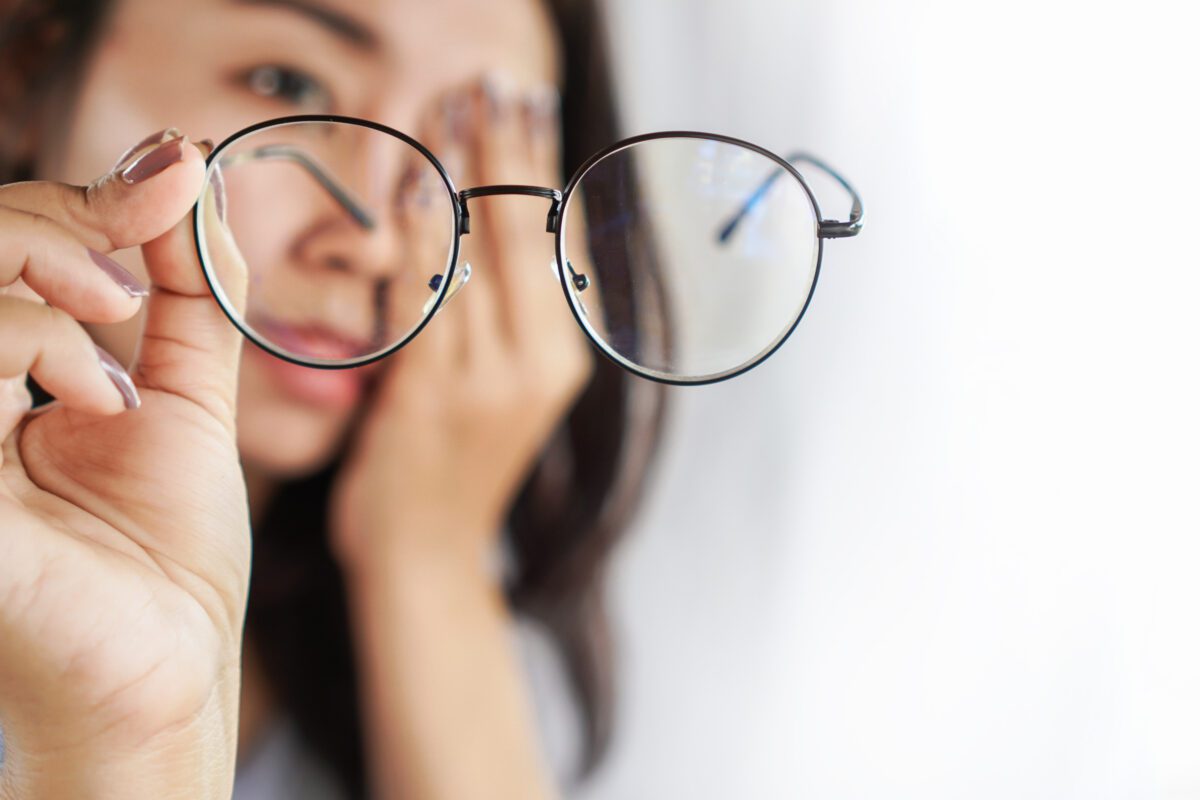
(49, 260)
(188, 347)
(543, 123)
(423, 221)
(19, 289)
(543, 134)
(513, 228)
(123, 208)
(50, 345)
(418, 364)
(15, 402)
(497, 222)
(482, 340)
(475, 305)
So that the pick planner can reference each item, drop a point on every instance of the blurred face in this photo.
(212, 67)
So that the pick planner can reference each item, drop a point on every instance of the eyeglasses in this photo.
(685, 257)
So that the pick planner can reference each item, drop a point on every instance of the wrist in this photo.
(418, 546)
(422, 563)
(192, 759)
(440, 680)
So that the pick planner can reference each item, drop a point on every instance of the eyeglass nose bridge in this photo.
(553, 195)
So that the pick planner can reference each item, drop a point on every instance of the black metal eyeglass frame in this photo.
(826, 229)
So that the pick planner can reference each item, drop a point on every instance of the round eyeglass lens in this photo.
(346, 232)
(689, 259)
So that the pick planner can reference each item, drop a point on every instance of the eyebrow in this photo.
(347, 28)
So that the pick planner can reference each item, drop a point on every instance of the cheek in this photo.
(266, 210)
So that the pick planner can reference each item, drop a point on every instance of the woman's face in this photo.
(212, 67)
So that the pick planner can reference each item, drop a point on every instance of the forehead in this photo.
(441, 33)
(444, 39)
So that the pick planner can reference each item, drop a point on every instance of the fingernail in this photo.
(539, 107)
(120, 378)
(455, 110)
(543, 102)
(454, 162)
(218, 186)
(215, 180)
(495, 94)
(155, 161)
(121, 276)
(152, 139)
(429, 186)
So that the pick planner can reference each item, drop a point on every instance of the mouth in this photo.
(332, 389)
(314, 340)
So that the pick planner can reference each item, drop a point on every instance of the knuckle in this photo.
(41, 226)
(44, 232)
(14, 393)
(41, 317)
(60, 324)
(85, 208)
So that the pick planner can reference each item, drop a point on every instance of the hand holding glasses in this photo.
(687, 258)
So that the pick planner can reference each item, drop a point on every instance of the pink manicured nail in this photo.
(543, 102)
(456, 111)
(218, 186)
(155, 161)
(119, 377)
(215, 180)
(540, 107)
(121, 276)
(495, 95)
(154, 138)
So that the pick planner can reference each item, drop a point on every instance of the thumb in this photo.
(188, 347)
(129, 205)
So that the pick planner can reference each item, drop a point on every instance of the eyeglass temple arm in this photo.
(319, 174)
(828, 228)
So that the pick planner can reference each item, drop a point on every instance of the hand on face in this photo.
(124, 543)
(463, 410)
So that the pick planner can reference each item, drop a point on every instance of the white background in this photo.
(944, 544)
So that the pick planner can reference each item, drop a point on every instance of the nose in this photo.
(358, 233)
(337, 244)
(386, 217)
(382, 225)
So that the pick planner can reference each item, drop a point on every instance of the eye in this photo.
(290, 85)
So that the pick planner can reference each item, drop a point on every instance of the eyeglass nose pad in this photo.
(461, 276)
(579, 283)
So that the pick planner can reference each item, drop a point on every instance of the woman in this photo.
(378, 497)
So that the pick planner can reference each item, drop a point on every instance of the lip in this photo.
(333, 389)
(316, 340)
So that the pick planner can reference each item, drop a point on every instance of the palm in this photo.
(133, 541)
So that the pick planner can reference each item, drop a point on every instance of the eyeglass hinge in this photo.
(833, 229)
(552, 216)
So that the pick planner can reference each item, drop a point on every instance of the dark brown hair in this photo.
(567, 516)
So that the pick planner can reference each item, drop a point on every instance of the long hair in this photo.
(566, 517)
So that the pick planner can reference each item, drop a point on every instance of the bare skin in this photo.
(124, 552)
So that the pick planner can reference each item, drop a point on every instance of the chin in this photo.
(283, 435)
(286, 442)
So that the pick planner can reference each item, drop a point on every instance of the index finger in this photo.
(119, 210)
